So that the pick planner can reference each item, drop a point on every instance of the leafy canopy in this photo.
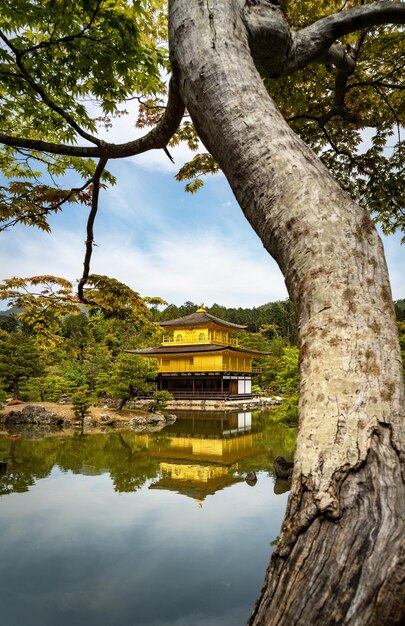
(68, 67)
(352, 117)
(45, 299)
(59, 55)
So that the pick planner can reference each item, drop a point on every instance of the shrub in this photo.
(257, 390)
(81, 402)
(161, 400)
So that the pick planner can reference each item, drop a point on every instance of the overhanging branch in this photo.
(157, 138)
(279, 51)
(313, 43)
(38, 89)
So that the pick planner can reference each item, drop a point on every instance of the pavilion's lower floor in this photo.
(200, 385)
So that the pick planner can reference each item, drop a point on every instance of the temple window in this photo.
(201, 337)
(179, 337)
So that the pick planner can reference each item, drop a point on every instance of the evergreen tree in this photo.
(20, 359)
(130, 376)
(81, 403)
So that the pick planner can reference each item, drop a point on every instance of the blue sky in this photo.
(162, 241)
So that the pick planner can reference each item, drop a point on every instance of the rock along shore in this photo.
(44, 417)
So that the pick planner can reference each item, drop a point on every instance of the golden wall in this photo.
(212, 362)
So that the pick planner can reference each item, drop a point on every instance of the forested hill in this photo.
(280, 314)
(400, 310)
(11, 311)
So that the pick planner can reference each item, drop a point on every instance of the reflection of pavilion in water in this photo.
(202, 454)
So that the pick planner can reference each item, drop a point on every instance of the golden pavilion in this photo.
(198, 359)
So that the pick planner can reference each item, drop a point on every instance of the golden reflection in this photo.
(207, 461)
(195, 481)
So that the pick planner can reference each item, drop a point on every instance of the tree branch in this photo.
(313, 43)
(90, 228)
(343, 74)
(279, 51)
(155, 139)
(45, 97)
(375, 83)
(54, 42)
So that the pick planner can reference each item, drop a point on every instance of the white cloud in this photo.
(206, 267)
(160, 241)
(26, 252)
(131, 200)
(202, 267)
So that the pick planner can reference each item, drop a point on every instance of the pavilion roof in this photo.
(200, 318)
(198, 490)
(160, 350)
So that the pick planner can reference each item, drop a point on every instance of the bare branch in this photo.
(155, 139)
(90, 228)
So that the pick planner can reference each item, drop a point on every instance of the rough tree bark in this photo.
(340, 557)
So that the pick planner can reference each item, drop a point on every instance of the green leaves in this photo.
(352, 121)
(115, 299)
(62, 64)
(42, 307)
(45, 300)
(19, 358)
(102, 50)
(200, 164)
(132, 375)
(26, 203)
(81, 402)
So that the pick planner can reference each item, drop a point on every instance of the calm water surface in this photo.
(132, 529)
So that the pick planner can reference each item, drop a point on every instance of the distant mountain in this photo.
(13, 310)
(269, 305)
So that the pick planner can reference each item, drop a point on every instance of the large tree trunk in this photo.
(339, 559)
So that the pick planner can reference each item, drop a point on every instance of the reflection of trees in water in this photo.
(25, 463)
(277, 439)
(127, 461)
(137, 468)
(125, 455)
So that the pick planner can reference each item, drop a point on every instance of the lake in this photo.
(122, 528)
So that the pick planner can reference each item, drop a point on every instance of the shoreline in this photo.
(258, 402)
